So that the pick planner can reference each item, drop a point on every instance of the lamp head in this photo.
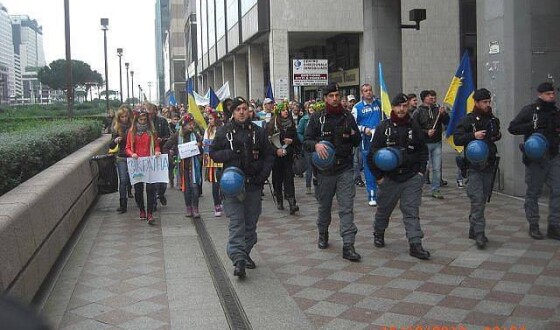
(119, 51)
(105, 24)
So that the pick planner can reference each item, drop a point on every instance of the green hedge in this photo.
(36, 145)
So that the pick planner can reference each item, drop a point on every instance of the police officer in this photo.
(337, 126)
(243, 144)
(541, 117)
(405, 181)
(480, 124)
(368, 115)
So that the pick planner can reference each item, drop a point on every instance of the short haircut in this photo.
(412, 95)
(425, 93)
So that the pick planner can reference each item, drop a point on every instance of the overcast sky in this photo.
(131, 27)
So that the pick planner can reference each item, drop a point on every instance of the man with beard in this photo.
(480, 124)
(541, 117)
(337, 126)
(403, 182)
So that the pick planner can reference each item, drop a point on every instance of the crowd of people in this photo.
(288, 139)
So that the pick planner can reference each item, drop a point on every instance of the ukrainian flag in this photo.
(385, 101)
(193, 107)
(215, 101)
(460, 98)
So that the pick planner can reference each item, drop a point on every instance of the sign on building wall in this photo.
(282, 88)
(310, 72)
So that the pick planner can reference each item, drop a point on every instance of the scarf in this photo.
(548, 106)
(190, 166)
(480, 112)
(286, 123)
(333, 110)
(124, 129)
(141, 128)
(400, 121)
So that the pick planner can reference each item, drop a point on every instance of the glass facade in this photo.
(246, 5)
(211, 24)
(232, 7)
(220, 19)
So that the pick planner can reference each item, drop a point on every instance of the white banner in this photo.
(310, 72)
(222, 94)
(150, 169)
(189, 149)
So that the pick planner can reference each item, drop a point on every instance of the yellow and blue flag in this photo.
(215, 101)
(385, 101)
(460, 98)
(193, 107)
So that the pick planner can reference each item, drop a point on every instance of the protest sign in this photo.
(150, 169)
(189, 149)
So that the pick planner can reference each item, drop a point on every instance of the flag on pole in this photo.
(269, 93)
(459, 97)
(193, 107)
(385, 101)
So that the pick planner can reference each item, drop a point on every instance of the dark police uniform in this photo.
(403, 183)
(336, 128)
(541, 117)
(479, 176)
(243, 145)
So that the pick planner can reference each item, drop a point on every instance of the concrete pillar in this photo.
(210, 81)
(279, 60)
(240, 75)
(218, 80)
(200, 82)
(507, 24)
(256, 72)
(227, 74)
(381, 42)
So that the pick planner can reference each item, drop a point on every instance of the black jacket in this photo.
(162, 129)
(122, 144)
(548, 124)
(338, 130)
(425, 117)
(408, 138)
(291, 133)
(474, 122)
(249, 150)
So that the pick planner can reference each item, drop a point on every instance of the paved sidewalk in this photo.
(126, 274)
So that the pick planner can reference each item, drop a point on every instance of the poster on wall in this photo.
(310, 72)
(282, 88)
(150, 169)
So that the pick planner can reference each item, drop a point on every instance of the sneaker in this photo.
(142, 214)
(195, 213)
(189, 212)
(150, 219)
(437, 194)
(443, 183)
(308, 191)
(217, 211)
(163, 200)
(372, 202)
(460, 184)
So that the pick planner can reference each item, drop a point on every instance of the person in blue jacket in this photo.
(368, 115)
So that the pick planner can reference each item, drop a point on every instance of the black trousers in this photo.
(139, 195)
(283, 177)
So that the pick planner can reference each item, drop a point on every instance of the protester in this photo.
(213, 169)
(121, 125)
(142, 142)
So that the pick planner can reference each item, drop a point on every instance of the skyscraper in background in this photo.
(7, 78)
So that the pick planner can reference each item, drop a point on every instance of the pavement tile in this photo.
(507, 297)
(144, 323)
(330, 284)
(540, 301)
(345, 298)
(392, 293)
(91, 310)
(377, 304)
(424, 298)
(413, 309)
(314, 294)
(533, 312)
(495, 307)
(454, 315)
(484, 319)
(397, 320)
(472, 293)
(325, 308)
(459, 302)
(344, 324)
(436, 288)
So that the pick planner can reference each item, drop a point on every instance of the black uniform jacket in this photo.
(249, 150)
(409, 139)
(478, 121)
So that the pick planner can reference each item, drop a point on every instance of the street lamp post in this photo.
(132, 78)
(105, 27)
(127, 85)
(150, 91)
(139, 93)
(69, 83)
(119, 54)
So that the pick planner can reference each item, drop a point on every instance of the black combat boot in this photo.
(535, 232)
(279, 202)
(553, 232)
(379, 239)
(122, 205)
(239, 269)
(293, 206)
(250, 264)
(323, 240)
(472, 236)
(480, 241)
(417, 251)
(349, 253)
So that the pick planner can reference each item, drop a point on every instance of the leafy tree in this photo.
(54, 75)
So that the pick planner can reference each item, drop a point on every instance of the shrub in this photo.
(39, 144)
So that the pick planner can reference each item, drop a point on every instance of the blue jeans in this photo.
(124, 179)
(434, 150)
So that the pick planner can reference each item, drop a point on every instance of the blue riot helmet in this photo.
(321, 163)
(477, 152)
(536, 146)
(387, 159)
(232, 183)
